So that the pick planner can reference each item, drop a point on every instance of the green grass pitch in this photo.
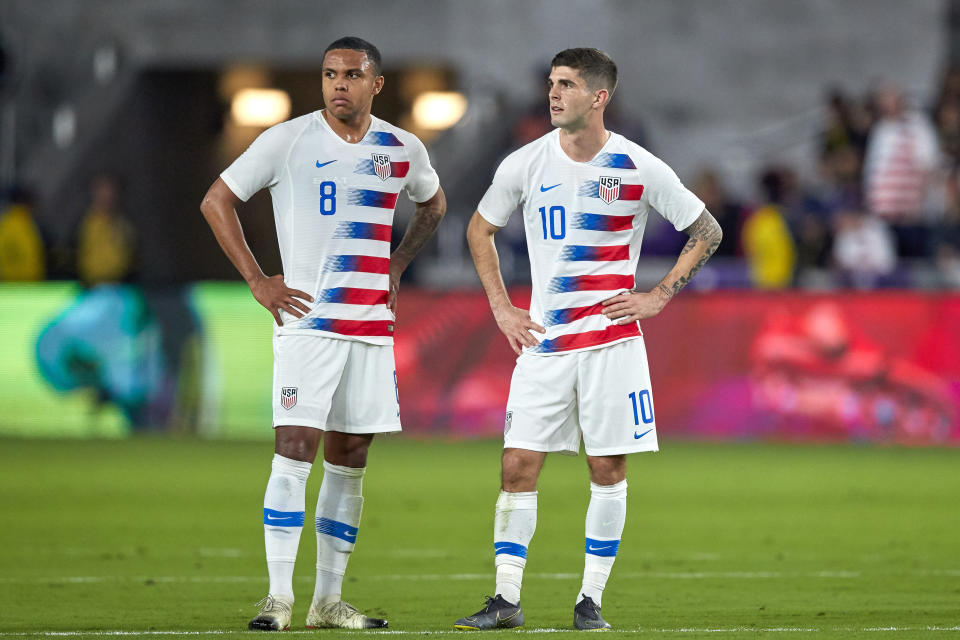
(164, 536)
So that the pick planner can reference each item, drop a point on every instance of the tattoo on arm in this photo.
(424, 222)
(705, 230)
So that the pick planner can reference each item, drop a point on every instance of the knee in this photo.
(354, 456)
(608, 470)
(519, 472)
(296, 449)
(297, 445)
(346, 450)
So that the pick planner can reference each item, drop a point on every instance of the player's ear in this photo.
(377, 85)
(601, 98)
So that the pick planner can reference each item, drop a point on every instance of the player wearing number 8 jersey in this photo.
(334, 176)
(585, 194)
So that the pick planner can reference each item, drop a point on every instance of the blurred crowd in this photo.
(102, 246)
(883, 210)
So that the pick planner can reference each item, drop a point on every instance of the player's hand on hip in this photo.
(395, 274)
(275, 296)
(631, 306)
(516, 325)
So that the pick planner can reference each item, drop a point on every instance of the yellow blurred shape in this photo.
(439, 109)
(260, 107)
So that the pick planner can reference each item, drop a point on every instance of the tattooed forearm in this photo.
(691, 243)
(684, 279)
(705, 235)
(424, 222)
(705, 228)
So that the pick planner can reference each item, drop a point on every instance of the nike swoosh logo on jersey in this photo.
(324, 164)
(543, 188)
(637, 436)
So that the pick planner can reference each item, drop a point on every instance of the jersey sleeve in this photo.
(669, 197)
(422, 181)
(260, 165)
(504, 193)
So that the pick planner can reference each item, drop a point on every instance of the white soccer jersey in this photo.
(333, 203)
(584, 223)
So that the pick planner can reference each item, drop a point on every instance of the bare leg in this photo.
(607, 470)
(297, 443)
(346, 449)
(521, 469)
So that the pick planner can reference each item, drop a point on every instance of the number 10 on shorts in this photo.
(642, 407)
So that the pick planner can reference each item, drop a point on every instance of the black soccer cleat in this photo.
(586, 616)
(497, 614)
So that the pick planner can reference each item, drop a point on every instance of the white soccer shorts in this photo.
(335, 385)
(601, 394)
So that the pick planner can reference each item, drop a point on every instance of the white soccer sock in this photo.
(605, 517)
(513, 527)
(338, 520)
(283, 512)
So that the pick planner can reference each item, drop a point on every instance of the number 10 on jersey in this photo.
(557, 219)
(642, 407)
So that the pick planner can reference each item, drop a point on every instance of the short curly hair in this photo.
(357, 44)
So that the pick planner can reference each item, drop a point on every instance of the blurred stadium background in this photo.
(824, 135)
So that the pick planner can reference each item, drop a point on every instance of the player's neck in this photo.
(583, 144)
(351, 130)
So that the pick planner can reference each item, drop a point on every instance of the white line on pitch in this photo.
(670, 575)
(437, 632)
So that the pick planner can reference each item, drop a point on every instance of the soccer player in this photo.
(586, 193)
(334, 176)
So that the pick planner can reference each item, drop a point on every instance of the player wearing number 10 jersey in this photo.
(586, 194)
(334, 176)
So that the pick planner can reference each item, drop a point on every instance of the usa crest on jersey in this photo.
(381, 165)
(288, 397)
(609, 189)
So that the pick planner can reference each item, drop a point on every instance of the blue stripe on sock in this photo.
(283, 518)
(336, 529)
(605, 548)
(510, 548)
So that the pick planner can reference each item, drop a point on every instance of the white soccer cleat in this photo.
(274, 615)
(340, 615)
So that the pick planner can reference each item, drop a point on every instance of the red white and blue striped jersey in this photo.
(584, 224)
(333, 203)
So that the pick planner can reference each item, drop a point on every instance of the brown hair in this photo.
(598, 69)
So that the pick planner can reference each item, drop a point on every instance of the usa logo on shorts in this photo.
(381, 165)
(288, 397)
(609, 189)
